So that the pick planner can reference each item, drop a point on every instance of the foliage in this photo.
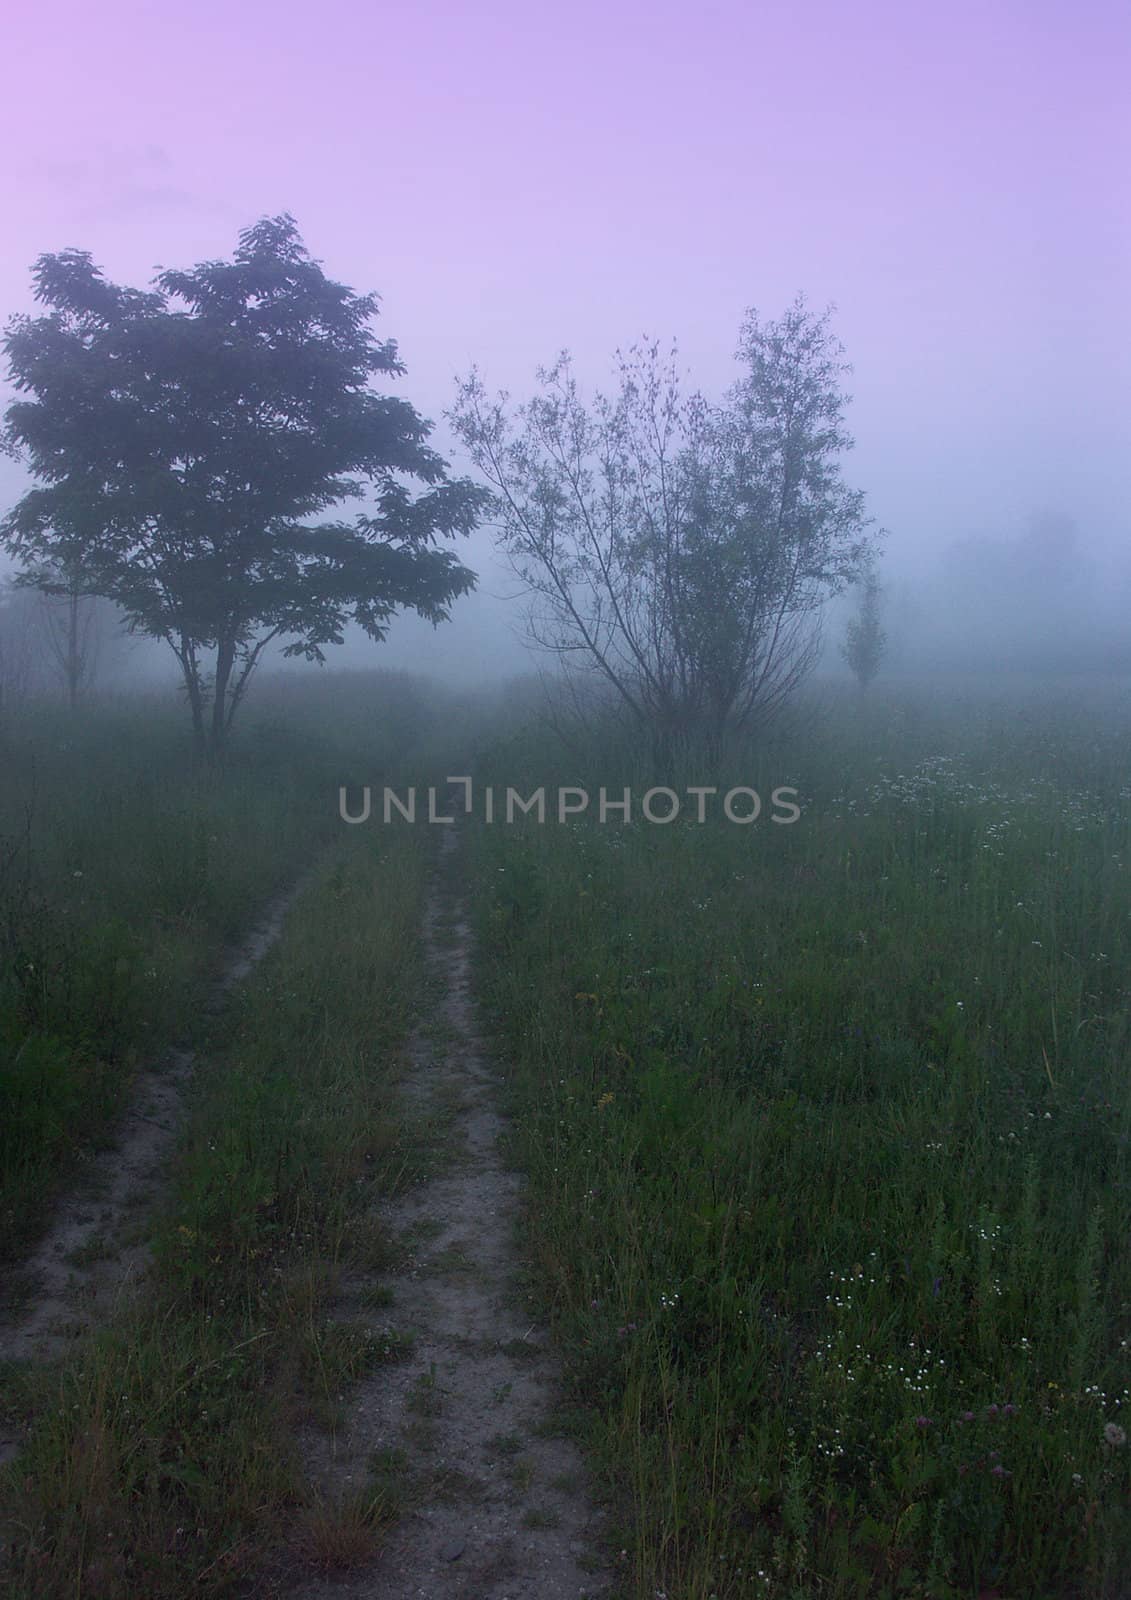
(183, 438)
(677, 551)
(865, 643)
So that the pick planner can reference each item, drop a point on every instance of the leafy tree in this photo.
(679, 551)
(183, 438)
(865, 642)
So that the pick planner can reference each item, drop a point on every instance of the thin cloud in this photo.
(122, 185)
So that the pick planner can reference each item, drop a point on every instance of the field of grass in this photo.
(825, 1127)
(125, 868)
(162, 1458)
(827, 1133)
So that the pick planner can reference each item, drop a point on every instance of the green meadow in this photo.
(827, 1133)
(824, 1126)
(128, 868)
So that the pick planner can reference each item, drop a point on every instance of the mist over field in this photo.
(565, 802)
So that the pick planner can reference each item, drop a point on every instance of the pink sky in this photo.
(514, 178)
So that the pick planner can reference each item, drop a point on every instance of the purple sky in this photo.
(514, 178)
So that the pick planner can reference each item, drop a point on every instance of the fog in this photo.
(513, 183)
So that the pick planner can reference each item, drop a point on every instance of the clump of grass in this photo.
(96, 1248)
(505, 1444)
(453, 1259)
(519, 1350)
(520, 1472)
(539, 1518)
(333, 1354)
(378, 1297)
(426, 1397)
(452, 1486)
(337, 1534)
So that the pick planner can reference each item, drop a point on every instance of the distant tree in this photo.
(678, 551)
(17, 648)
(865, 642)
(1031, 598)
(74, 625)
(182, 437)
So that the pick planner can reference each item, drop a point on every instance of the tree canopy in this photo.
(188, 442)
(678, 550)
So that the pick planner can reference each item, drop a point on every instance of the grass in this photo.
(125, 870)
(826, 1127)
(825, 1131)
(161, 1459)
(536, 1518)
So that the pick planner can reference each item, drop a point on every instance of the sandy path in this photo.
(498, 1510)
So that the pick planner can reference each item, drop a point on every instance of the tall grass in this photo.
(827, 1129)
(125, 868)
(162, 1456)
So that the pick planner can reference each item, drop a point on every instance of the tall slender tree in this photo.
(72, 621)
(865, 643)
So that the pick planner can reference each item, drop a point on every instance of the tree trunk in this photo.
(190, 671)
(225, 659)
(74, 654)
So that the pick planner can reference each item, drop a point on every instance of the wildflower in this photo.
(922, 1422)
(967, 1416)
(1114, 1434)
